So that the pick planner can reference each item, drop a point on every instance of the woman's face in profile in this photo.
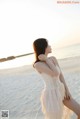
(48, 49)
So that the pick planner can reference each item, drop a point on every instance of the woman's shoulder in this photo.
(37, 64)
(40, 66)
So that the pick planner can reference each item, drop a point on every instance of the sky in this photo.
(23, 21)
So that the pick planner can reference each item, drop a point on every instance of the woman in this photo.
(55, 93)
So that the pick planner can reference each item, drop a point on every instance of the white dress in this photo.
(52, 96)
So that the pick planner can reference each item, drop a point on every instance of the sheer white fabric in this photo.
(52, 98)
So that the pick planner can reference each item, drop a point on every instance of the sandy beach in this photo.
(20, 88)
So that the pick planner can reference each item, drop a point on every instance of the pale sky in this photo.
(22, 21)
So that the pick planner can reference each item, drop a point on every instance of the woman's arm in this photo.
(46, 66)
(63, 80)
(61, 74)
(61, 77)
(68, 95)
(49, 62)
(43, 68)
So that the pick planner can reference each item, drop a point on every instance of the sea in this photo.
(20, 90)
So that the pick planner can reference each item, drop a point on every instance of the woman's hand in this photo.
(67, 94)
(42, 57)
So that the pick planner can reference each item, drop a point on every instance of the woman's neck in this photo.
(46, 54)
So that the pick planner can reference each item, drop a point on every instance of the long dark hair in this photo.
(39, 46)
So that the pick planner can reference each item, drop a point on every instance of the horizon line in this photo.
(13, 57)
